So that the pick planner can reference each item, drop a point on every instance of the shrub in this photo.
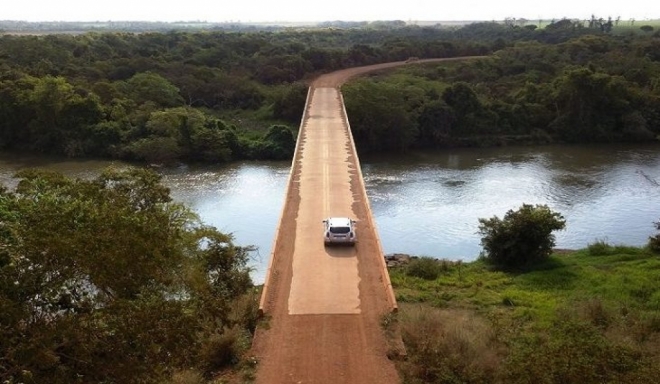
(188, 377)
(279, 143)
(245, 310)
(448, 347)
(654, 241)
(600, 248)
(571, 352)
(223, 349)
(524, 237)
(426, 268)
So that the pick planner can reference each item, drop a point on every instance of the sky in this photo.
(319, 10)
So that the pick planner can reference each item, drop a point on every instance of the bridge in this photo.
(324, 306)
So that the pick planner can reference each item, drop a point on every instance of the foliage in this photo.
(107, 280)
(573, 319)
(588, 88)
(277, 144)
(571, 352)
(290, 103)
(654, 241)
(602, 248)
(522, 238)
(426, 268)
(151, 87)
(447, 346)
(102, 94)
(380, 118)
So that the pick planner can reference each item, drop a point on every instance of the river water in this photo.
(429, 203)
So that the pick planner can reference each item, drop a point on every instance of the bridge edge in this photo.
(384, 273)
(264, 290)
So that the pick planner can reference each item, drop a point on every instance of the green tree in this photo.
(215, 141)
(522, 238)
(289, 104)
(591, 106)
(278, 143)
(185, 133)
(466, 106)
(107, 280)
(380, 116)
(14, 114)
(60, 115)
(154, 150)
(436, 120)
(152, 87)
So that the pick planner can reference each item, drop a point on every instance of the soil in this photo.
(323, 307)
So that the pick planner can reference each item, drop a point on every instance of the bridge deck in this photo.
(325, 303)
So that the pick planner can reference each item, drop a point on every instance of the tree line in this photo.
(588, 89)
(221, 96)
(161, 97)
(108, 280)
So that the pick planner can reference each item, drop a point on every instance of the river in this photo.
(429, 203)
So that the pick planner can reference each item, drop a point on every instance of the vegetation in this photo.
(585, 89)
(425, 268)
(213, 95)
(109, 281)
(522, 238)
(581, 317)
(180, 96)
(654, 241)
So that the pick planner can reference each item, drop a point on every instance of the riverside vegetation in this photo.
(106, 280)
(585, 316)
(217, 96)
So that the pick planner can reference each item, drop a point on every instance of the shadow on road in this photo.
(344, 251)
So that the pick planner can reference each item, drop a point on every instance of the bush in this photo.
(221, 350)
(188, 377)
(571, 352)
(448, 347)
(523, 238)
(279, 143)
(600, 248)
(654, 241)
(426, 268)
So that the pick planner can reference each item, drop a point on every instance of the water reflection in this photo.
(244, 199)
(605, 193)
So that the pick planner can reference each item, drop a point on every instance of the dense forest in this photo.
(107, 280)
(587, 89)
(217, 96)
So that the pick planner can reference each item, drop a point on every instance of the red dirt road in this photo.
(324, 306)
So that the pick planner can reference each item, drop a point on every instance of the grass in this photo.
(589, 316)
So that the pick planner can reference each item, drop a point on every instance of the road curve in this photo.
(323, 305)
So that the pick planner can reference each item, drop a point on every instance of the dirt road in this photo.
(324, 305)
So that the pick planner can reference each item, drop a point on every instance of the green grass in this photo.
(600, 306)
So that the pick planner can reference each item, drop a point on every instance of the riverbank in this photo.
(424, 203)
(587, 316)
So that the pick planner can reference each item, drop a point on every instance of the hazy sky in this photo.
(319, 10)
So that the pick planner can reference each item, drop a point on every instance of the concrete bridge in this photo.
(324, 305)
